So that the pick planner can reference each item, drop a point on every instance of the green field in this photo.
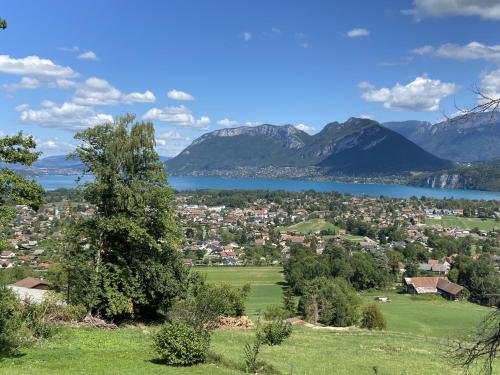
(309, 226)
(418, 332)
(265, 282)
(465, 223)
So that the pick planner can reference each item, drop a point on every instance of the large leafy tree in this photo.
(124, 260)
(13, 187)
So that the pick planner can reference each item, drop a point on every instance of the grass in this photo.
(310, 226)
(465, 223)
(266, 283)
(418, 332)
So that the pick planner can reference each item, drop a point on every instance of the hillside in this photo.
(469, 138)
(356, 147)
(480, 176)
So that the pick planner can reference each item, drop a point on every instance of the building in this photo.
(426, 285)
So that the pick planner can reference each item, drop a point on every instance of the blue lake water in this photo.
(183, 183)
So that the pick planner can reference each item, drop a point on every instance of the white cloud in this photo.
(179, 95)
(306, 128)
(70, 49)
(54, 146)
(22, 107)
(471, 51)
(35, 83)
(365, 85)
(34, 66)
(490, 85)
(138, 97)
(68, 116)
(227, 122)
(88, 55)
(247, 36)
(252, 123)
(177, 115)
(96, 91)
(421, 95)
(171, 135)
(486, 9)
(354, 33)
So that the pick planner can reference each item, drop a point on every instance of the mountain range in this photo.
(468, 138)
(355, 147)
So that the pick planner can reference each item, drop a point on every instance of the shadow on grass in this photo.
(219, 360)
(3, 357)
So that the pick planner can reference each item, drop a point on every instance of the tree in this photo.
(124, 260)
(3, 23)
(13, 187)
(486, 347)
(372, 318)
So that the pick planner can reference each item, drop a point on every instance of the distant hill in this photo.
(479, 176)
(469, 138)
(356, 147)
(56, 164)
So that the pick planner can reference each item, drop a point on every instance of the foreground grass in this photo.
(465, 223)
(128, 351)
(417, 338)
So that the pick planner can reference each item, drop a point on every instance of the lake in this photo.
(183, 183)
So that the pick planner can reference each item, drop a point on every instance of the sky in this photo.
(192, 66)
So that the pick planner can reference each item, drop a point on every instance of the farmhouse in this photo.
(30, 288)
(426, 285)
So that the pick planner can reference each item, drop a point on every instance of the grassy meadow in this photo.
(418, 332)
(465, 222)
(309, 226)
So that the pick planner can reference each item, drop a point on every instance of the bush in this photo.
(209, 301)
(180, 344)
(13, 331)
(275, 312)
(274, 333)
(372, 318)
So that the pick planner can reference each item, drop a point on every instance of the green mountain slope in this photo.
(356, 147)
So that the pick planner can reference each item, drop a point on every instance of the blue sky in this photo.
(193, 66)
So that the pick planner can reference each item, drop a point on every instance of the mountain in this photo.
(469, 138)
(480, 176)
(356, 147)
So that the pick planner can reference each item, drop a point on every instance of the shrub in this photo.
(178, 343)
(275, 312)
(372, 318)
(209, 301)
(274, 333)
(13, 332)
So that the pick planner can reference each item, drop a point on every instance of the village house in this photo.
(426, 285)
(7, 254)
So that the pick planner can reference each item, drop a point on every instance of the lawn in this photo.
(465, 223)
(418, 332)
(309, 226)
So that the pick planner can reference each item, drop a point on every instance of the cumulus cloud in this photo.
(490, 85)
(88, 55)
(421, 95)
(306, 128)
(247, 36)
(486, 9)
(177, 115)
(54, 146)
(96, 91)
(227, 122)
(35, 83)
(471, 51)
(68, 116)
(357, 32)
(34, 66)
(179, 95)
